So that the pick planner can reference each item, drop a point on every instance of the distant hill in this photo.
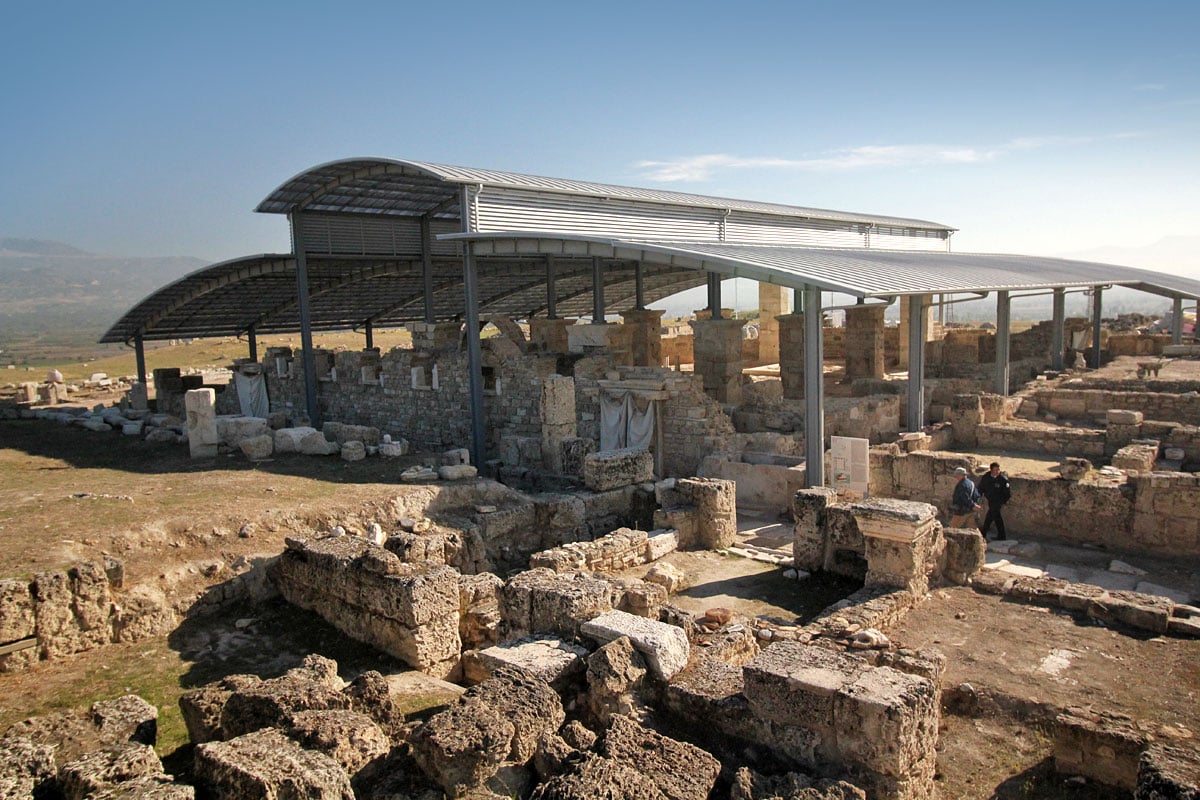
(53, 294)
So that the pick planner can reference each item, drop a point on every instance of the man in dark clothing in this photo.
(995, 487)
(964, 502)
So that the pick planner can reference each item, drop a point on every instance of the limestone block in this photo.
(202, 707)
(1073, 469)
(108, 766)
(1140, 457)
(203, 437)
(679, 770)
(273, 703)
(593, 777)
(353, 451)
(613, 469)
(887, 722)
(573, 452)
(267, 764)
(26, 769)
(1102, 746)
(964, 555)
(665, 647)
(133, 428)
(72, 610)
(350, 738)
(342, 433)
(661, 542)
(257, 448)
(716, 506)
(315, 444)
(287, 440)
(558, 401)
(1167, 771)
(233, 430)
(670, 577)
(457, 472)
(16, 610)
(1117, 416)
(394, 449)
(147, 787)
(162, 436)
(126, 719)
(546, 658)
(792, 683)
(539, 601)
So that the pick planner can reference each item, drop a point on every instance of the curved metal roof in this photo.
(855, 271)
(226, 299)
(413, 188)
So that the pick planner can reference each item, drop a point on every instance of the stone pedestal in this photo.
(965, 416)
(200, 405)
(864, 342)
(791, 355)
(27, 392)
(773, 302)
(809, 510)
(601, 340)
(558, 419)
(901, 542)
(139, 397)
(433, 337)
(549, 335)
(717, 350)
(645, 336)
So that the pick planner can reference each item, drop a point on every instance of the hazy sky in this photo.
(154, 128)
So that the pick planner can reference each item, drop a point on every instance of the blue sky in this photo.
(139, 128)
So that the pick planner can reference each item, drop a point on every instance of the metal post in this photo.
(551, 288)
(369, 330)
(252, 341)
(1003, 309)
(1058, 343)
(1096, 306)
(474, 356)
(597, 292)
(639, 296)
(814, 390)
(306, 344)
(798, 300)
(139, 352)
(1177, 321)
(714, 295)
(427, 268)
(916, 362)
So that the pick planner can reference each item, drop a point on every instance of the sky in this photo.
(150, 128)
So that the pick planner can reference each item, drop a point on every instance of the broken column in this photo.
(864, 342)
(791, 355)
(901, 538)
(702, 510)
(717, 349)
(773, 302)
(558, 419)
(645, 336)
(201, 407)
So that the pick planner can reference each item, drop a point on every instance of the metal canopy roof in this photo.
(226, 299)
(414, 188)
(855, 271)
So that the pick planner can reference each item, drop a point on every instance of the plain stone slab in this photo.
(545, 657)
(1112, 581)
(660, 543)
(1022, 570)
(1179, 596)
(1064, 573)
(665, 647)
(1003, 546)
(1123, 568)
(457, 472)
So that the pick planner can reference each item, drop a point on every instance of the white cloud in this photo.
(700, 168)
(1150, 87)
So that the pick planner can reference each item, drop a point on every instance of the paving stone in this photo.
(1178, 595)
(1110, 580)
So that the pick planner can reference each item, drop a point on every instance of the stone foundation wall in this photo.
(621, 549)
(1093, 404)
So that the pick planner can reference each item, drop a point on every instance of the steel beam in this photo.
(1058, 341)
(639, 296)
(427, 268)
(1097, 304)
(597, 292)
(916, 362)
(369, 332)
(308, 361)
(139, 351)
(1177, 321)
(814, 390)
(1003, 338)
(474, 354)
(551, 288)
(714, 295)
(252, 341)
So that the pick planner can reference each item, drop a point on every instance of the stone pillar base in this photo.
(864, 342)
(900, 538)
(432, 337)
(791, 355)
(549, 335)
(717, 350)
(645, 338)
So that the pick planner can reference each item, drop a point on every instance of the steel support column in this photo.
(1058, 340)
(306, 344)
(1096, 308)
(252, 342)
(639, 296)
(916, 362)
(139, 352)
(551, 288)
(1177, 321)
(814, 390)
(474, 356)
(597, 292)
(369, 332)
(427, 269)
(1003, 337)
(714, 295)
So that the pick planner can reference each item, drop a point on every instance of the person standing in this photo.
(964, 502)
(995, 486)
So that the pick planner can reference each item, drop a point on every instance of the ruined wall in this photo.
(1093, 403)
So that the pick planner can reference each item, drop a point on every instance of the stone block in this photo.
(1103, 747)
(72, 610)
(342, 433)
(350, 738)
(267, 764)
(613, 469)
(1118, 416)
(203, 437)
(287, 440)
(546, 658)
(539, 601)
(797, 684)
(353, 451)
(1168, 772)
(107, 767)
(573, 454)
(16, 610)
(457, 472)
(27, 769)
(661, 542)
(664, 647)
(233, 430)
(126, 719)
(258, 448)
(887, 723)
(680, 771)
(964, 554)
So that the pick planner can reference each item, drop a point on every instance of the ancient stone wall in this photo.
(1093, 404)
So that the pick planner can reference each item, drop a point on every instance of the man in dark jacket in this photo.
(995, 487)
